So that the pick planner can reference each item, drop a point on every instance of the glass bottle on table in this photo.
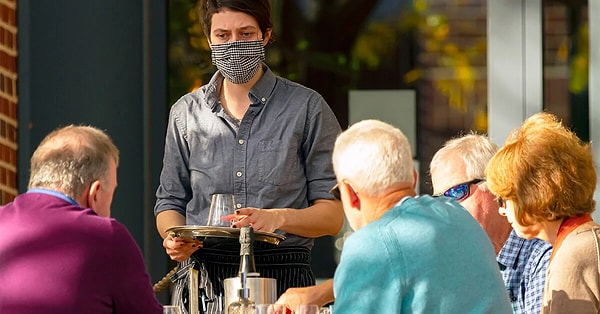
(247, 268)
(243, 305)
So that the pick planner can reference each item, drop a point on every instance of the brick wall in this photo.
(8, 100)
(463, 41)
(452, 94)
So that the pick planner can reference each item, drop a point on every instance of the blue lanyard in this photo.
(54, 193)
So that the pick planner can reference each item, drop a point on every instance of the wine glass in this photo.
(221, 205)
(325, 310)
(265, 309)
(307, 309)
(272, 308)
(172, 309)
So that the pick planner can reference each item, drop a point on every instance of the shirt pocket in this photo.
(278, 162)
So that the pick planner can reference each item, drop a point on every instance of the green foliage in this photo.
(189, 55)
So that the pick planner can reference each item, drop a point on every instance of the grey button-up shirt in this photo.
(279, 156)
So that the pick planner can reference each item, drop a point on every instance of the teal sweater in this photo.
(425, 255)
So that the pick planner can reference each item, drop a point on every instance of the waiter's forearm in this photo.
(324, 217)
(168, 219)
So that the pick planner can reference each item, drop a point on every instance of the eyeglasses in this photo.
(335, 190)
(460, 191)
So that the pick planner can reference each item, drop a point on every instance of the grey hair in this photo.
(474, 149)
(373, 155)
(70, 158)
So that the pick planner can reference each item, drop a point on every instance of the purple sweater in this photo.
(56, 257)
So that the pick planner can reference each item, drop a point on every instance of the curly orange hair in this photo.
(545, 170)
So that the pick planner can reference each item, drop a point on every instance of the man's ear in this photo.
(92, 193)
(416, 178)
(352, 195)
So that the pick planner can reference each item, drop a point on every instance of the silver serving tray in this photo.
(200, 232)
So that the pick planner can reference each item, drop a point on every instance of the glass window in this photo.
(566, 63)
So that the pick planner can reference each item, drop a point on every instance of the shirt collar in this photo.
(566, 227)
(54, 193)
(508, 255)
(260, 92)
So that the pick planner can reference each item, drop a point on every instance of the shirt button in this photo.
(238, 205)
(241, 142)
(263, 99)
(239, 173)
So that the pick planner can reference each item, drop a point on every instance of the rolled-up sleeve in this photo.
(321, 133)
(174, 191)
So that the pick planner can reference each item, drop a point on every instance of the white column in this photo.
(594, 90)
(533, 33)
(515, 80)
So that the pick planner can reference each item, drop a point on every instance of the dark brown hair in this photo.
(258, 9)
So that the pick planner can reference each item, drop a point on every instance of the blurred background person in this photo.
(544, 177)
(60, 251)
(408, 253)
(458, 171)
(250, 133)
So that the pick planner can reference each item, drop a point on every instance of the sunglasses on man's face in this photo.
(460, 191)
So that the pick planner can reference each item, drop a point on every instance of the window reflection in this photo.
(566, 63)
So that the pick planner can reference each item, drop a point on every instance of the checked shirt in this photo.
(523, 265)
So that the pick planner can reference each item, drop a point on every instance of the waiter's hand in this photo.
(180, 249)
(260, 219)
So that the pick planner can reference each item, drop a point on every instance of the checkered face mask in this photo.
(238, 61)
